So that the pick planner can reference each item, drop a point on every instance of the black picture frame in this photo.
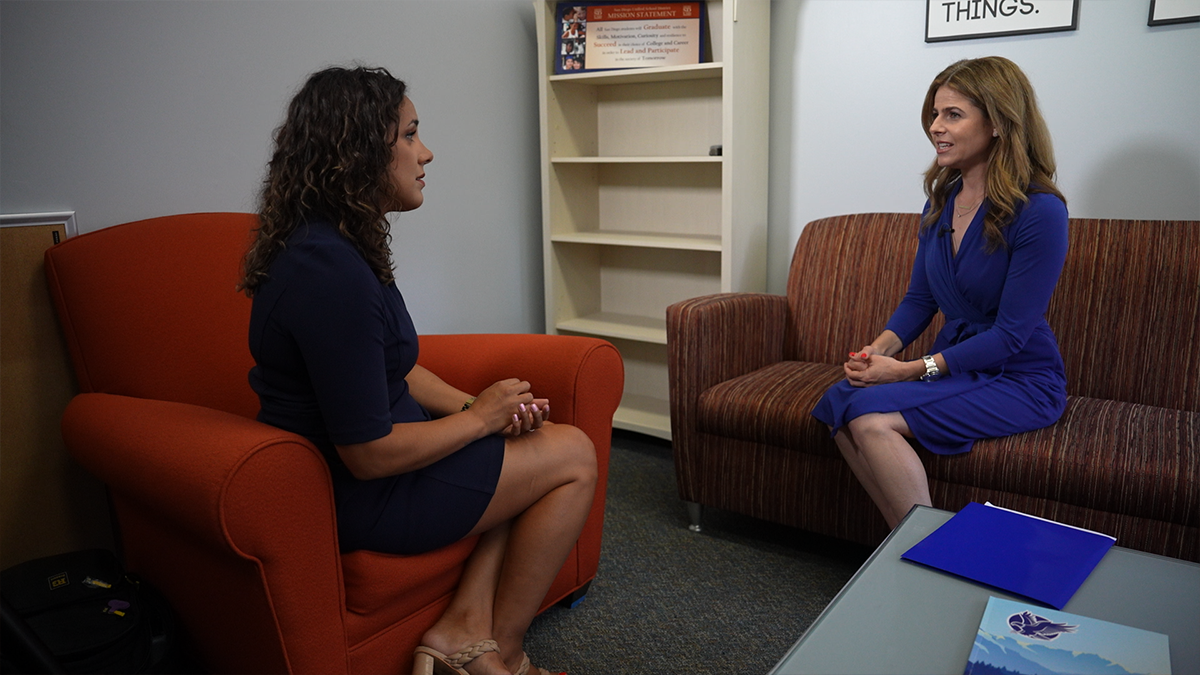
(998, 11)
(1161, 18)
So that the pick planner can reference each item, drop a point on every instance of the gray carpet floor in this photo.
(731, 599)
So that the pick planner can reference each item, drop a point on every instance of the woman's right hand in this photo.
(531, 418)
(858, 361)
(497, 405)
(857, 364)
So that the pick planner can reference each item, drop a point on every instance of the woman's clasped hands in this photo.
(508, 408)
(871, 366)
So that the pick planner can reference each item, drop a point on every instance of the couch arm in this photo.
(714, 338)
(230, 517)
(582, 377)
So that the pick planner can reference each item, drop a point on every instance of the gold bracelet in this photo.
(468, 404)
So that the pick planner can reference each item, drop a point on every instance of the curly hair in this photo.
(1021, 159)
(331, 160)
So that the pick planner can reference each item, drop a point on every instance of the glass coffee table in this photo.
(898, 617)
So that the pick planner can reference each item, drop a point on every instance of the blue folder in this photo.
(1015, 552)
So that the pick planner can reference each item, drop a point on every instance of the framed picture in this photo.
(615, 34)
(969, 19)
(62, 223)
(1163, 12)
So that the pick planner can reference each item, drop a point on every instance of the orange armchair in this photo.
(234, 519)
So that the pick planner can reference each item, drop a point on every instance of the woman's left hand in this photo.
(531, 418)
(878, 369)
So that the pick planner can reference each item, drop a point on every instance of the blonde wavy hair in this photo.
(1021, 160)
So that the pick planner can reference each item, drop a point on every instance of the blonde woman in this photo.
(992, 245)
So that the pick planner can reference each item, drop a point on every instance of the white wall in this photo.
(128, 110)
(1122, 101)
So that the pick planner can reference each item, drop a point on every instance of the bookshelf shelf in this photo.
(685, 242)
(636, 160)
(623, 326)
(699, 71)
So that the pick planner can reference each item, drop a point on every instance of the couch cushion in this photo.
(842, 288)
(1131, 288)
(1106, 455)
(383, 589)
(1110, 456)
(772, 405)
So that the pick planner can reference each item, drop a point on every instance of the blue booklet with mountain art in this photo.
(1019, 639)
(1016, 552)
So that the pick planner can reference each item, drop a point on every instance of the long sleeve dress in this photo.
(332, 347)
(1005, 374)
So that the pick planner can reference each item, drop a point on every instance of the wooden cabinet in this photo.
(636, 212)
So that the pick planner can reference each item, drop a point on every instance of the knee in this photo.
(578, 452)
(867, 426)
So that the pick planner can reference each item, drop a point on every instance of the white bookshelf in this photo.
(636, 212)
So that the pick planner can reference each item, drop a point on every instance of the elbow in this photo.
(360, 461)
(1012, 342)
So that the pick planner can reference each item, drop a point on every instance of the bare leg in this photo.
(862, 470)
(468, 619)
(544, 495)
(897, 470)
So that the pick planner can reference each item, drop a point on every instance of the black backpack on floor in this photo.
(88, 614)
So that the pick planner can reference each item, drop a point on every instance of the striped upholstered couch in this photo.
(746, 369)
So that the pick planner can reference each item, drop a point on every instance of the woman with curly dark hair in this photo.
(416, 463)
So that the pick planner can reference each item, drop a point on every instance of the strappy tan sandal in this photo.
(526, 669)
(429, 661)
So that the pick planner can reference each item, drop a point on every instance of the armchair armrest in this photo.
(582, 377)
(713, 338)
(207, 490)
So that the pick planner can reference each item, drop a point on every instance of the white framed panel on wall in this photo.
(1167, 12)
(967, 19)
(64, 218)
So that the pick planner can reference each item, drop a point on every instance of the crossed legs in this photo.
(544, 495)
(889, 469)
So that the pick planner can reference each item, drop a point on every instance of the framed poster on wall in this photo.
(609, 35)
(968, 19)
(64, 219)
(1164, 12)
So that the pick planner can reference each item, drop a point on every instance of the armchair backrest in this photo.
(150, 309)
(1126, 311)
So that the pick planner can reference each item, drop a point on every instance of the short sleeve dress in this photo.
(332, 347)
(1006, 375)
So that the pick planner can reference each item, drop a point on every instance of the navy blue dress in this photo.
(1006, 375)
(332, 346)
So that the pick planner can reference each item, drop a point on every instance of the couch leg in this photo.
(572, 601)
(695, 511)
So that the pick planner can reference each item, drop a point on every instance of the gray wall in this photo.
(123, 110)
(126, 110)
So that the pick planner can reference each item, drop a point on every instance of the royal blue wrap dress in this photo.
(1005, 375)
